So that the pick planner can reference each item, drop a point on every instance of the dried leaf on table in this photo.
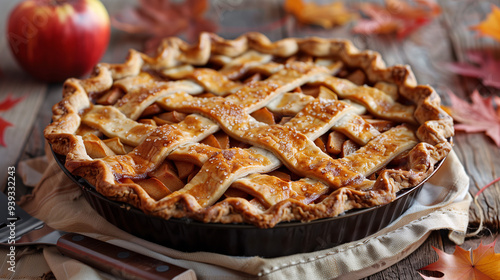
(327, 16)
(6, 105)
(163, 18)
(478, 116)
(397, 16)
(491, 25)
(480, 264)
(487, 67)
(9, 102)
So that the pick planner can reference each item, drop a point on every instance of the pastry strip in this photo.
(317, 117)
(289, 103)
(239, 66)
(135, 102)
(214, 82)
(298, 152)
(356, 128)
(113, 123)
(271, 190)
(380, 151)
(158, 144)
(217, 174)
(256, 95)
(377, 102)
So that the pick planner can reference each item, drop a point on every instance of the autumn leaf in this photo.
(491, 25)
(327, 16)
(3, 126)
(9, 102)
(396, 16)
(163, 18)
(485, 67)
(478, 116)
(480, 264)
(6, 105)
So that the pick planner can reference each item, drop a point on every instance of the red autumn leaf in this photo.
(480, 264)
(478, 116)
(491, 25)
(3, 126)
(486, 67)
(396, 17)
(6, 105)
(163, 18)
(9, 102)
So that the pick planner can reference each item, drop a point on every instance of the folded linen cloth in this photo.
(443, 203)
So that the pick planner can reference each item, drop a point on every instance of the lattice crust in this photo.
(251, 131)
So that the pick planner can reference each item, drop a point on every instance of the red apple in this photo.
(57, 39)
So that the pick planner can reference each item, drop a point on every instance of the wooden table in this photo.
(445, 39)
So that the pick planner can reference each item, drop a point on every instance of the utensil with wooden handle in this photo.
(18, 228)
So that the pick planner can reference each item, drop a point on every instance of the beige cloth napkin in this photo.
(442, 204)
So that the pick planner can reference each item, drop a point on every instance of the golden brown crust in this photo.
(324, 192)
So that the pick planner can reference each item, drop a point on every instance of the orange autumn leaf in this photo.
(327, 16)
(396, 16)
(480, 264)
(491, 25)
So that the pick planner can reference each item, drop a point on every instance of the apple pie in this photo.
(250, 131)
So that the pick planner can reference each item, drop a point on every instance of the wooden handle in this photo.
(119, 261)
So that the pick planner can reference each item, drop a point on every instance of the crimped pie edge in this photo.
(436, 127)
